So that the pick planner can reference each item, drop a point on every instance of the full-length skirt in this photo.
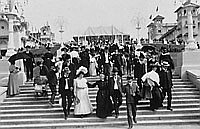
(13, 84)
(84, 107)
(156, 100)
(104, 104)
(92, 69)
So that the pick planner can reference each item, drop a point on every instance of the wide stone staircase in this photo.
(27, 111)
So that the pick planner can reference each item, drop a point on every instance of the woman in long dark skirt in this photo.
(104, 103)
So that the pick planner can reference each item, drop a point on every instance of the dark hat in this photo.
(83, 47)
(115, 69)
(141, 55)
(106, 48)
(64, 48)
(163, 48)
(165, 63)
(28, 46)
(156, 64)
(66, 56)
(129, 77)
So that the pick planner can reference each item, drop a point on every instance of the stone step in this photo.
(24, 88)
(93, 93)
(112, 124)
(27, 111)
(139, 112)
(122, 119)
(152, 115)
(123, 107)
(94, 90)
(93, 101)
(24, 99)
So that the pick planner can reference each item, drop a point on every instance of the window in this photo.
(184, 12)
(159, 31)
(193, 22)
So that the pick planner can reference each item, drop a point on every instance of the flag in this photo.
(157, 9)
(150, 16)
(16, 9)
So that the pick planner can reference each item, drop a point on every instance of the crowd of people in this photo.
(152, 71)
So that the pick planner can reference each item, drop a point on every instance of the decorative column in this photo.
(11, 47)
(191, 45)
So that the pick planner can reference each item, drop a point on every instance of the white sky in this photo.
(80, 14)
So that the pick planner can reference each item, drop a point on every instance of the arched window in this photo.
(184, 12)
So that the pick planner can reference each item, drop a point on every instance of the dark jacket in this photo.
(62, 83)
(167, 57)
(117, 60)
(139, 69)
(52, 78)
(165, 79)
(72, 68)
(29, 62)
(85, 59)
(103, 58)
(119, 83)
(130, 92)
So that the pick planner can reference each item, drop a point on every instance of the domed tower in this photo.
(158, 26)
(187, 20)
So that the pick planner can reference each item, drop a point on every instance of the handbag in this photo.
(60, 101)
(38, 88)
(76, 100)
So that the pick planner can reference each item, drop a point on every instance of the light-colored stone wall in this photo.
(3, 28)
(187, 60)
(194, 77)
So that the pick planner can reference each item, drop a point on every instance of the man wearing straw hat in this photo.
(116, 90)
(166, 82)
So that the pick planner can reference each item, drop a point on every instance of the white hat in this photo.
(81, 69)
(165, 63)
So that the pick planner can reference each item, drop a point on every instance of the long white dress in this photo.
(13, 82)
(81, 91)
(93, 66)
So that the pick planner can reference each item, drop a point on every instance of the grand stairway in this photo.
(26, 111)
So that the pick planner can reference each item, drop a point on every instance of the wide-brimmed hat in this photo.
(165, 63)
(141, 56)
(66, 56)
(115, 69)
(81, 69)
(129, 77)
(156, 64)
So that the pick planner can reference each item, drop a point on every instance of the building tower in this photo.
(158, 27)
(187, 23)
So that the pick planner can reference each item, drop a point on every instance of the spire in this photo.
(11, 4)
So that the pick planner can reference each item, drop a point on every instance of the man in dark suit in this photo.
(29, 64)
(67, 63)
(165, 56)
(117, 61)
(66, 90)
(131, 89)
(84, 58)
(52, 80)
(166, 83)
(116, 91)
(105, 61)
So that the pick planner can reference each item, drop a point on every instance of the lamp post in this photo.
(60, 23)
(138, 21)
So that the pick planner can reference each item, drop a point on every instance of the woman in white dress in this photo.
(93, 65)
(13, 82)
(83, 107)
